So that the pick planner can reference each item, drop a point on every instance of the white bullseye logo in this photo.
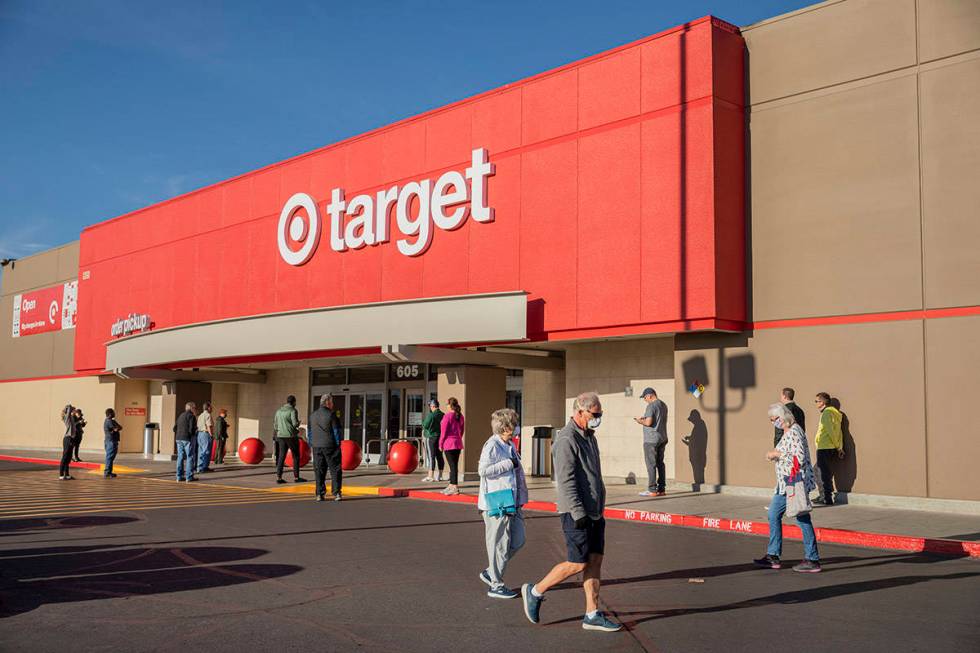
(53, 311)
(293, 228)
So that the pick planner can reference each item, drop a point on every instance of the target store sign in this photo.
(418, 207)
(47, 309)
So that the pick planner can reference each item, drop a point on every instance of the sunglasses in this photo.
(595, 415)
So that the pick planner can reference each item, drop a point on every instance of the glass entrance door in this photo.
(364, 415)
(414, 411)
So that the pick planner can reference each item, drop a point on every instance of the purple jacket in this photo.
(452, 432)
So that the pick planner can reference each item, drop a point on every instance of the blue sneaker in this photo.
(599, 622)
(501, 593)
(532, 604)
(485, 577)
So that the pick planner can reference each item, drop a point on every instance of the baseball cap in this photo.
(647, 391)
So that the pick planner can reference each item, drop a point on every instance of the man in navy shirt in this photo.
(111, 428)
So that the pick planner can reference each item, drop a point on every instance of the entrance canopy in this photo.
(493, 317)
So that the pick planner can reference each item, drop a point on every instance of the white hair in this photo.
(503, 420)
(783, 414)
(586, 401)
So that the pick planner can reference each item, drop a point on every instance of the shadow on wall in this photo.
(737, 373)
(697, 448)
(845, 471)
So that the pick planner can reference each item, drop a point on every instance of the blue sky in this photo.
(111, 105)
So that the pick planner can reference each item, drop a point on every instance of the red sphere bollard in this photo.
(304, 454)
(251, 451)
(403, 457)
(350, 455)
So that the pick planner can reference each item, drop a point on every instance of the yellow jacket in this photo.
(829, 434)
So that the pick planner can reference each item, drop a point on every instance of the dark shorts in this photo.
(582, 543)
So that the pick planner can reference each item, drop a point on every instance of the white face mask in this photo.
(595, 422)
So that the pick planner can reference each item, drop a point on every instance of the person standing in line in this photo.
(792, 456)
(431, 430)
(205, 438)
(654, 422)
(221, 436)
(79, 432)
(786, 397)
(581, 501)
(185, 430)
(451, 442)
(67, 442)
(324, 437)
(829, 442)
(111, 429)
(286, 427)
(503, 492)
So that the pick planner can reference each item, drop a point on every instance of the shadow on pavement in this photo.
(631, 619)
(19, 526)
(44, 577)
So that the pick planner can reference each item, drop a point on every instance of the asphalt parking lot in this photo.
(392, 574)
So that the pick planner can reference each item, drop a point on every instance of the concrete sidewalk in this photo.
(622, 497)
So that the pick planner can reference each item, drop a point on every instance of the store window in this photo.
(332, 376)
(371, 374)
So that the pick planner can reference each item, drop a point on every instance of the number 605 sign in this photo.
(406, 372)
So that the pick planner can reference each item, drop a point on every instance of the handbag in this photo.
(797, 498)
(501, 502)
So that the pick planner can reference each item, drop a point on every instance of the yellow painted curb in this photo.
(349, 490)
(117, 469)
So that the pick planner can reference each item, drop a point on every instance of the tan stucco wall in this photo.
(42, 354)
(881, 394)
(609, 368)
(864, 155)
(864, 150)
(480, 391)
(257, 403)
(30, 414)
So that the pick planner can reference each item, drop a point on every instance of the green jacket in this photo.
(286, 422)
(432, 424)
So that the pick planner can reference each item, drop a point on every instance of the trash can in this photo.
(541, 451)
(150, 431)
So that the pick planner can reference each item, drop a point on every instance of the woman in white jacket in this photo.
(500, 471)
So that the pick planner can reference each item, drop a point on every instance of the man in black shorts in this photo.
(581, 500)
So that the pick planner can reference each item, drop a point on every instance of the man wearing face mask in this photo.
(581, 500)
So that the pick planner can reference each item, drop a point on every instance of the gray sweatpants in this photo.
(505, 537)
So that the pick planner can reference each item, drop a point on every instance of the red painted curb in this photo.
(957, 548)
(48, 461)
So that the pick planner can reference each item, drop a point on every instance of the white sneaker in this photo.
(427, 480)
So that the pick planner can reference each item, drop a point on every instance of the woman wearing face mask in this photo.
(503, 491)
(80, 422)
(451, 442)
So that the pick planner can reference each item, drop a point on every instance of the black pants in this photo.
(325, 460)
(77, 443)
(656, 472)
(288, 444)
(452, 457)
(219, 456)
(67, 446)
(825, 462)
(275, 449)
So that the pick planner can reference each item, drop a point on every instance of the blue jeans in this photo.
(185, 460)
(204, 443)
(777, 508)
(111, 448)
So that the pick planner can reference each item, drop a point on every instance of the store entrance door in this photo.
(363, 419)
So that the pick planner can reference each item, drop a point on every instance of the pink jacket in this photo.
(452, 432)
